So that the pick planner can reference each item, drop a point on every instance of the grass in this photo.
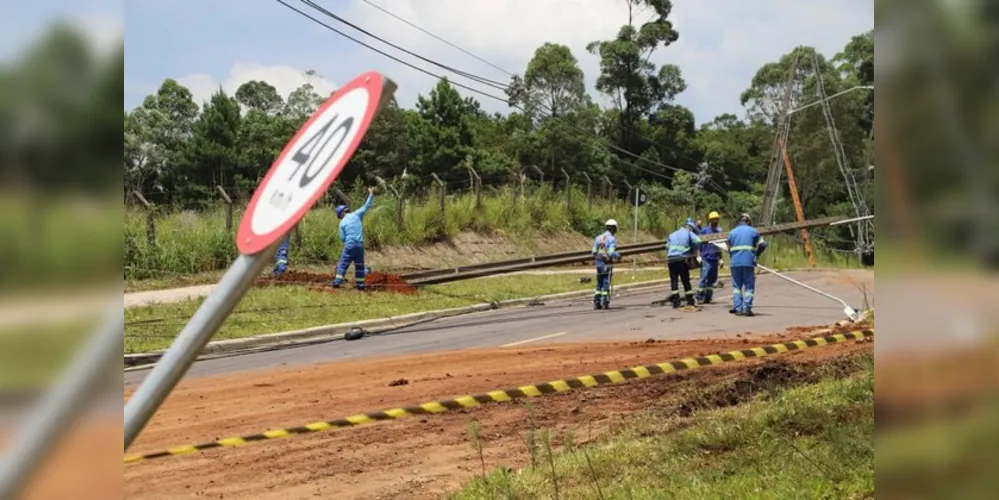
(197, 243)
(31, 358)
(52, 241)
(812, 441)
(284, 308)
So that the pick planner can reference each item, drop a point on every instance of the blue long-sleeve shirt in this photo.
(605, 248)
(710, 251)
(681, 244)
(745, 244)
(351, 227)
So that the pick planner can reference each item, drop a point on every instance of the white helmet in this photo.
(610, 222)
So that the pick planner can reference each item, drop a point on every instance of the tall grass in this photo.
(191, 243)
(50, 241)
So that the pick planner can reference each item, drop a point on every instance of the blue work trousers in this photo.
(281, 259)
(709, 276)
(602, 294)
(743, 287)
(353, 254)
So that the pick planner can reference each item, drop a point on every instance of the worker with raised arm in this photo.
(604, 255)
(681, 247)
(710, 261)
(745, 245)
(352, 236)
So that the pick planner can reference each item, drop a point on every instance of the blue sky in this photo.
(208, 43)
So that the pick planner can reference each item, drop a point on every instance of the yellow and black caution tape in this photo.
(526, 391)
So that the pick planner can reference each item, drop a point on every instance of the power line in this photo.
(509, 73)
(390, 56)
(470, 76)
(483, 61)
(473, 77)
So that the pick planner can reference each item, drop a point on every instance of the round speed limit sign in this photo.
(310, 162)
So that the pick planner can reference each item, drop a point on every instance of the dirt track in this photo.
(411, 458)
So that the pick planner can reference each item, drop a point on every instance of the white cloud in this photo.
(284, 78)
(105, 33)
(722, 42)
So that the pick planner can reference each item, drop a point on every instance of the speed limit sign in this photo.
(311, 161)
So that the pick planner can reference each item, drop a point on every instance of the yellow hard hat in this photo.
(713, 216)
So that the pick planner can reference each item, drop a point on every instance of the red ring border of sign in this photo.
(250, 243)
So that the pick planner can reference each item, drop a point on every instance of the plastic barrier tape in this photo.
(526, 391)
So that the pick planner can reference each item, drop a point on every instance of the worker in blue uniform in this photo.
(352, 236)
(281, 259)
(745, 245)
(681, 248)
(710, 261)
(604, 255)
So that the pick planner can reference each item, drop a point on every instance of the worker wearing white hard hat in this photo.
(604, 255)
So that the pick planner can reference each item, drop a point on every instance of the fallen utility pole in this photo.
(448, 275)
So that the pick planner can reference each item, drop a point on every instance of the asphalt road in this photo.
(632, 316)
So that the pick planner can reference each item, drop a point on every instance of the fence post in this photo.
(610, 188)
(150, 218)
(440, 188)
(343, 198)
(568, 191)
(589, 191)
(398, 202)
(513, 190)
(541, 175)
(477, 184)
(228, 208)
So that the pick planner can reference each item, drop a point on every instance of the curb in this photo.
(336, 331)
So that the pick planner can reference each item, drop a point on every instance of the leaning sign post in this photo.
(300, 175)
(638, 199)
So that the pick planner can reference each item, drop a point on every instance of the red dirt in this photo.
(410, 458)
(83, 466)
(321, 282)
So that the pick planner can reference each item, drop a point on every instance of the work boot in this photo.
(690, 300)
(733, 311)
(749, 313)
(336, 284)
(597, 305)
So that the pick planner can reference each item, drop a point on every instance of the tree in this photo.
(211, 156)
(261, 96)
(302, 103)
(627, 74)
(552, 85)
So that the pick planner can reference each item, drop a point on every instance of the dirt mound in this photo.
(321, 282)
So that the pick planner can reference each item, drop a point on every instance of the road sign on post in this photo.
(638, 198)
(298, 178)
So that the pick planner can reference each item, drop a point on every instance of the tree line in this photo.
(177, 152)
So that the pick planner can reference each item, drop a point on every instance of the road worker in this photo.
(745, 245)
(681, 248)
(281, 259)
(710, 261)
(352, 236)
(604, 254)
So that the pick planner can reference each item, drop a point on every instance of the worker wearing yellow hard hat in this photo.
(710, 261)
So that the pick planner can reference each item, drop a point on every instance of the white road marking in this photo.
(535, 339)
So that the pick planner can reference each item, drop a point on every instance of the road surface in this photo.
(779, 305)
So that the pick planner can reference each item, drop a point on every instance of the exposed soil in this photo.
(423, 457)
(374, 281)
(83, 466)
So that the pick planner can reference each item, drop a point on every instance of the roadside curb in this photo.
(373, 326)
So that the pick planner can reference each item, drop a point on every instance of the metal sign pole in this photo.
(191, 340)
(634, 260)
(53, 417)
